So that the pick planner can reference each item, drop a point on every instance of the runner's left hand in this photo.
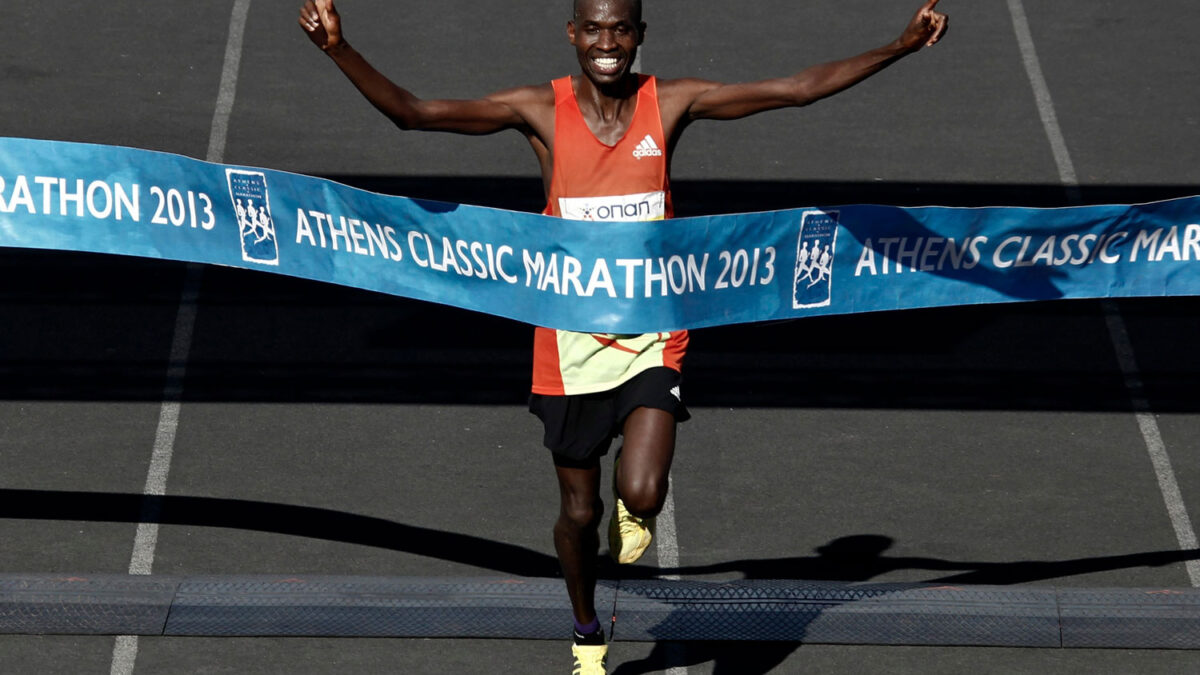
(926, 28)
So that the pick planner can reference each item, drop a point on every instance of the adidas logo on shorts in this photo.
(647, 148)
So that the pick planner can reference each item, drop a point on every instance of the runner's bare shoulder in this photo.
(676, 96)
(532, 98)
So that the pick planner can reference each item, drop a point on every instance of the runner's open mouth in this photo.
(607, 64)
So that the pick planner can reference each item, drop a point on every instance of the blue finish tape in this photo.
(623, 277)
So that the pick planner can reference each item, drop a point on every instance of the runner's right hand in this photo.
(321, 22)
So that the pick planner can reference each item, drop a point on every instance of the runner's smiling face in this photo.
(606, 35)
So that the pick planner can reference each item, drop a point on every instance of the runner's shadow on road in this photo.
(863, 557)
(856, 558)
(289, 519)
(852, 558)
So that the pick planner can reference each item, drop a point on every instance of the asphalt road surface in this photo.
(993, 445)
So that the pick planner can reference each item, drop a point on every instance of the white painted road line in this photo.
(142, 561)
(667, 550)
(1148, 425)
(1168, 485)
(125, 647)
(229, 76)
(1041, 92)
(667, 544)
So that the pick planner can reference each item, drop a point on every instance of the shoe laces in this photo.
(589, 660)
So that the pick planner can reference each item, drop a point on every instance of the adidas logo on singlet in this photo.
(647, 148)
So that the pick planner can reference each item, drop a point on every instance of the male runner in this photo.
(604, 138)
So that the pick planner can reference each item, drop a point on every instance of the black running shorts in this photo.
(580, 428)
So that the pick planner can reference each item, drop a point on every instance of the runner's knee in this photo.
(581, 513)
(643, 494)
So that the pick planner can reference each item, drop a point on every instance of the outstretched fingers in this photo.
(310, 17)
(326, 11)
(938, 23)
(927, 27)
(320, 20)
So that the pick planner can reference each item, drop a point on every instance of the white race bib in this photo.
(640, 207)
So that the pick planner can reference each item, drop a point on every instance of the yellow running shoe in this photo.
(628, 535)
(590, 659)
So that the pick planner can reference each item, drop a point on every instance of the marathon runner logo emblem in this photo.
(248, 192)
(814, 259)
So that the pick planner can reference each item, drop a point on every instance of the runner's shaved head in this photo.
(635, 7)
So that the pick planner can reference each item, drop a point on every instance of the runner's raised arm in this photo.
(510, 109)
(604, 137)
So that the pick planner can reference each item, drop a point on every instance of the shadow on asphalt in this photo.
(727, 658)
(860, 557)
(855, 558)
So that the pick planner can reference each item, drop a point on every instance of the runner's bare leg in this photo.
(576, 536)
(648, 448)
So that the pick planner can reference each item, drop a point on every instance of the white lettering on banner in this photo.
(65, 196)
(464, 258)
(501, 253)
(570, 278)
(47, 193)
(304, 229)
(600, 279)
(659, 277)
(896, 255)
(412, 248)
(695, 274)
(1103, 248)
(380, 239)
(172, 209)
(653, 277)
(485, 268)
(356, 235)
(338, 231)
(1162, 243)
(1191, 241)
(617, 208)
(683, 273)
(1145, 241)
(1001, 263)
(104, 200)
(1072, 249)
(629, 265)
(20, 197)
(448, 259)
(924, 254)
(737, 268)
(549, 276)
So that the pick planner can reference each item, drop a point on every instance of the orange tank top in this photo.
(598, 182)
